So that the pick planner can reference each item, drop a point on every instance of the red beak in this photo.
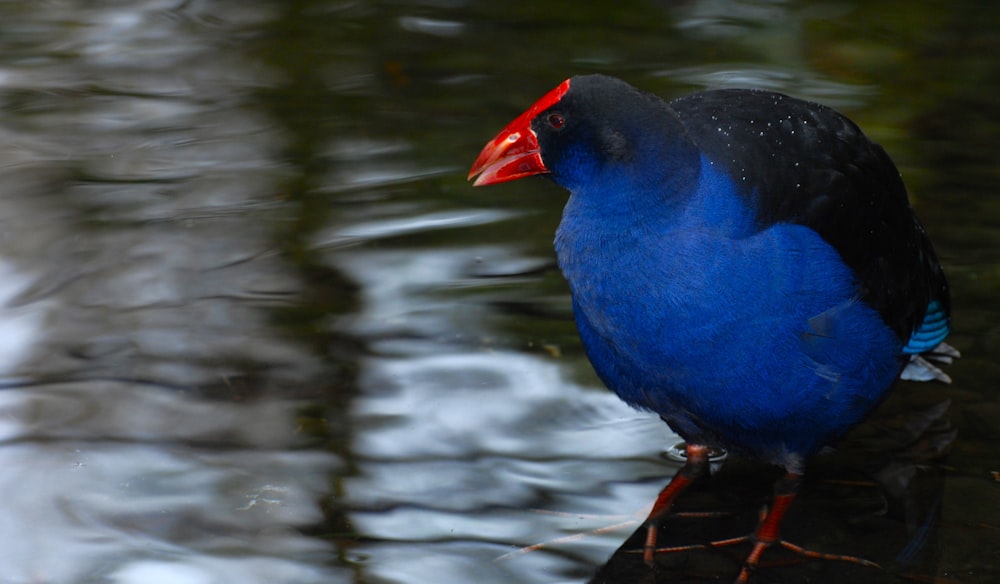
(514, 152)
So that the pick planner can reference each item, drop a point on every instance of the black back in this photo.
(807, 164)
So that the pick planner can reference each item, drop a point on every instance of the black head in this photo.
(593, 132)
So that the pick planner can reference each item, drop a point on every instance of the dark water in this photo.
(257, 327)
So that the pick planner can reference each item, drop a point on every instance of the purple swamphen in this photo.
(742, 263)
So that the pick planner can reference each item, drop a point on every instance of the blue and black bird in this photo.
(742, 263)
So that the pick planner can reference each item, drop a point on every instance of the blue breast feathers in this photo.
(735, 338)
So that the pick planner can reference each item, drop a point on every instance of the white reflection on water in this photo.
(133, 481)
(394, 227)
(136, 183)
(20, 324)
(464, 452)
(99, 506)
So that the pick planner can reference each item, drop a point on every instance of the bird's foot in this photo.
(696, 460)
(626, 523)
(650, 550)
(765, 536)
(753, 559)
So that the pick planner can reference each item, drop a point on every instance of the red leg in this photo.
(695, 466)
(769, 529)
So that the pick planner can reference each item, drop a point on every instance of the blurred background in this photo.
(255, 326)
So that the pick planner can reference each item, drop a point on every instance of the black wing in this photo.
(805, 163)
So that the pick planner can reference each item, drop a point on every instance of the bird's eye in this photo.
(557, 121)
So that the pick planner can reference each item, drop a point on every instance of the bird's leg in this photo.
(768, 531)
(695, 466)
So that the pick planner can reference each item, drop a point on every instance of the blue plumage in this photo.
(754, 341)
(744, 264)
(932, 330)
